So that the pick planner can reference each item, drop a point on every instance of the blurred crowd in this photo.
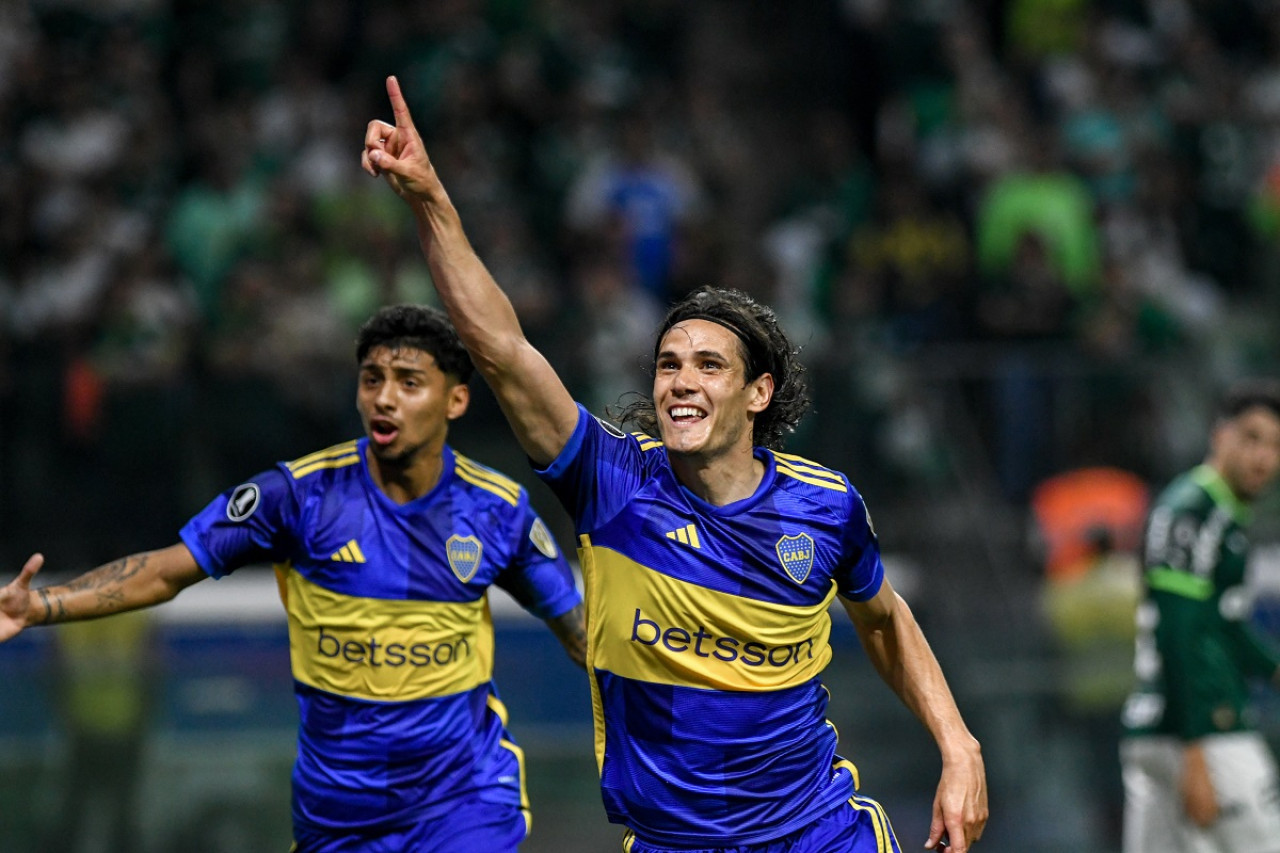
(1028, 234)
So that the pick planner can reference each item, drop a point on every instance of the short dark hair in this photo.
(764, 348)
(420, 327)
(1246, 394)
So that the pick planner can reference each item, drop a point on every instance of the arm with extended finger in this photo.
(535, 401)
(130, 583)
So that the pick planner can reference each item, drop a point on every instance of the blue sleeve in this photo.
(252, 523)
(539, 577)
(596, 473)
(861, 572)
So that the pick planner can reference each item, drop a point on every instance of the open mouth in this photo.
(383, 432)
(686, 414)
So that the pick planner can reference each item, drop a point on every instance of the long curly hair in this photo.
(764, 349)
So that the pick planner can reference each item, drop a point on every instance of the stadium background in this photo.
(1016, 238)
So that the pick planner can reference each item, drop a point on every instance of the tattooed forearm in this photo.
(115, 572)
(571, 631)
(48, 611)
(54, 609)
(107, 584)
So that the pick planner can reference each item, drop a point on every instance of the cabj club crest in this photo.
(464, 555)
(796, 555)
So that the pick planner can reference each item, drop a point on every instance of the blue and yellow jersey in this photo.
(389, 628)
(707, 629)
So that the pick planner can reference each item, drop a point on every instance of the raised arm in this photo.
(535, 401)
(898, 649)
(130, 583)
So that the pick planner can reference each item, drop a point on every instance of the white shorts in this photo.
(1243, 773)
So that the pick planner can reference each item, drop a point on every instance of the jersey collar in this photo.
(1207, 477)
(766, 482)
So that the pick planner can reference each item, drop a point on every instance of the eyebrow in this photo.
(702, 353)
(371, 366)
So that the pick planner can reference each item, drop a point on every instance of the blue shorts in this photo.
(466, 828)
(859, 826)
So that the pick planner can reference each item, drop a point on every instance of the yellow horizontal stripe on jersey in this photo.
(813, 469)
(811, 479)
(656, 628)
(491, 481)
(386, 650)
(321, 464)
(328, 453)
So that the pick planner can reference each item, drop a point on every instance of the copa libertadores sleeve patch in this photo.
(541, 539)
(244, 500)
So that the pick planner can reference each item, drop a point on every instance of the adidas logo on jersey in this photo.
(349, 553)
(687, 535)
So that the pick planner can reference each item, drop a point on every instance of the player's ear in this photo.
(459, 397)
(761, 393)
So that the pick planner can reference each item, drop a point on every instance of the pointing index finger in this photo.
(398, 107)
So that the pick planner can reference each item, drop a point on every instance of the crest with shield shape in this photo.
(464, 555)
(796, 555)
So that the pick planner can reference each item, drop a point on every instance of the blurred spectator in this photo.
(618, 319)
(1048, 203)
(216, 217)
(1022, 313)
(1091, 609)
(916, 260)
(638, 198)
(106, 677)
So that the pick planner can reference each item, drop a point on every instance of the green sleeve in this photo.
(1182, 620)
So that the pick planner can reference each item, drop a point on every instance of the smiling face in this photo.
(1246, 451)
(705, 403)
(405, 403)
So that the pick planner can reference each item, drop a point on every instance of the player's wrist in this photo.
(961, 747)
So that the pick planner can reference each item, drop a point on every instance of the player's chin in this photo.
(392, 453)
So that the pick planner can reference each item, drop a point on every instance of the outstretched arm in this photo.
(898, 649)
(130, 583)
(571, 631)
(535, 401)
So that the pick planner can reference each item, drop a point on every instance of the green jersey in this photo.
(1195, 650)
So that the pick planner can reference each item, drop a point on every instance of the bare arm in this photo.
(571, 631)
(1198, 796)
(535, 401)
(130, 583)
(901, 654)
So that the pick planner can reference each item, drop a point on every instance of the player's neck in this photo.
(408, 480)
(722, 479)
